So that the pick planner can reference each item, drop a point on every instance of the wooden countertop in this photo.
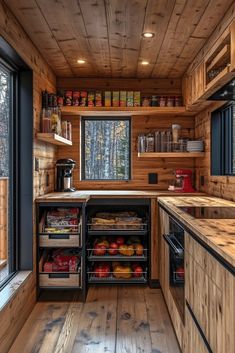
(218, 234)
(86, 195)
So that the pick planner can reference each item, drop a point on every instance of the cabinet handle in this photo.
(179, 251)
(199, 328)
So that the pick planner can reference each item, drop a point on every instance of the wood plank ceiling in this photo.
(107, 34)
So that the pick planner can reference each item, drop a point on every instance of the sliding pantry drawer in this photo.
(60, 240)
(60, 280)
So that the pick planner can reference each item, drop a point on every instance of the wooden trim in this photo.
(154, 241)
(126, 111)
(171, 155)
(53, 139)
(218, 57)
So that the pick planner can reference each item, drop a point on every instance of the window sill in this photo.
(12, 288)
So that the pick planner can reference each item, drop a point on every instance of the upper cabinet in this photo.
(216, 69)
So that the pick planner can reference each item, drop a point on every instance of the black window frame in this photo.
(222, 140)
(21, 157)
(82, 146)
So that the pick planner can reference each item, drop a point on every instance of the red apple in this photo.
(138, 271)
(120, 241)
(180, 272)
(99, 250)
(113, 249)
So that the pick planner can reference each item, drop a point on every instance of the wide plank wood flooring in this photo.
(113, 320)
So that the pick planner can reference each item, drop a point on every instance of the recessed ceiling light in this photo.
(144, 62)
(148, 35)
(81, 61)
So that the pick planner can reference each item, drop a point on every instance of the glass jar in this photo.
(46, 120)
(150, 143)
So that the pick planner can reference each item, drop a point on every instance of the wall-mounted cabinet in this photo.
(216, 69)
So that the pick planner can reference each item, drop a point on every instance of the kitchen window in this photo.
(105, 148)
(7, 172)
(16, 164)
(223, 140)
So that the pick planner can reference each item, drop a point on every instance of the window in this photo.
(223, 141)
(7, 173)
(105, 149)
(16, 164)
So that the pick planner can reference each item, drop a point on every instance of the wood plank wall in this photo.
(17, 310)
(221, 186)
(140, 167)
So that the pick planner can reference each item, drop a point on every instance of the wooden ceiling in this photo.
(107, 33)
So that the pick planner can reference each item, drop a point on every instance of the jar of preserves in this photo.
(162, 101)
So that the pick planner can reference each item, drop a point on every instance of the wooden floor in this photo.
(113, 320)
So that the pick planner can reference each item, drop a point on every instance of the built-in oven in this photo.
(175, 240)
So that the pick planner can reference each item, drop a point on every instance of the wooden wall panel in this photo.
(220, 186)
(17, 310)
(140, 167)
(146, 86)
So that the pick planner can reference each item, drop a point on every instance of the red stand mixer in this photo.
(183, 182)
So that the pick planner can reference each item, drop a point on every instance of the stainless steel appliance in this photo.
(208, 212)
(64, 179)
(175, 240)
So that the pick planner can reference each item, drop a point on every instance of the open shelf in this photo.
(171, 155)
(53, 139)
(89, 111)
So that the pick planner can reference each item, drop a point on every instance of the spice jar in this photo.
(178, 101)
(141, 143)
(69, 130)
(150, 143)
(46, 120)
(170, 102)
(162, 101)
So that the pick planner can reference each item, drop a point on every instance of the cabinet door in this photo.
(164, 253)
(194, 342)
(198, 83)
(209, 290)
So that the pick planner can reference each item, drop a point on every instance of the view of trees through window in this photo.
(5, 207)
(106, 149)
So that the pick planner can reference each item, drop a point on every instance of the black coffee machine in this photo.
(64, 179)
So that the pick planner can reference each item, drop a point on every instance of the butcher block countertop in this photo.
(86, 195)
(218, 234)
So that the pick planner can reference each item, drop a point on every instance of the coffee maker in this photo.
(64, 178)
(183, 181)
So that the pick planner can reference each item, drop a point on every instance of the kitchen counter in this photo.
(218, 234)
(86, 195)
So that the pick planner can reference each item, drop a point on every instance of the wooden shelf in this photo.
(53, 139)
(171, 155)
(220, 58)
(111, 111)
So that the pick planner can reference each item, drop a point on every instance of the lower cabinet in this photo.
(164, 276)
(209, 325)
(210, 293)
(193, 341)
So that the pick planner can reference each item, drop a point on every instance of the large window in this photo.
(223, 141)
(7, 173)
(105, 149)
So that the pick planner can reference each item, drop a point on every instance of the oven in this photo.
(175, 241)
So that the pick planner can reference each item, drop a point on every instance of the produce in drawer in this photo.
(113, 248)
(139, 249)
(62, 217)
(127, 250)
(102, 270)
(62, 260)
(137, 270)
(99, 249)
(116, 220)
(122, 271)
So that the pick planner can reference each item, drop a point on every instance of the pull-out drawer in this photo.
(60, 280)
(60, 240)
